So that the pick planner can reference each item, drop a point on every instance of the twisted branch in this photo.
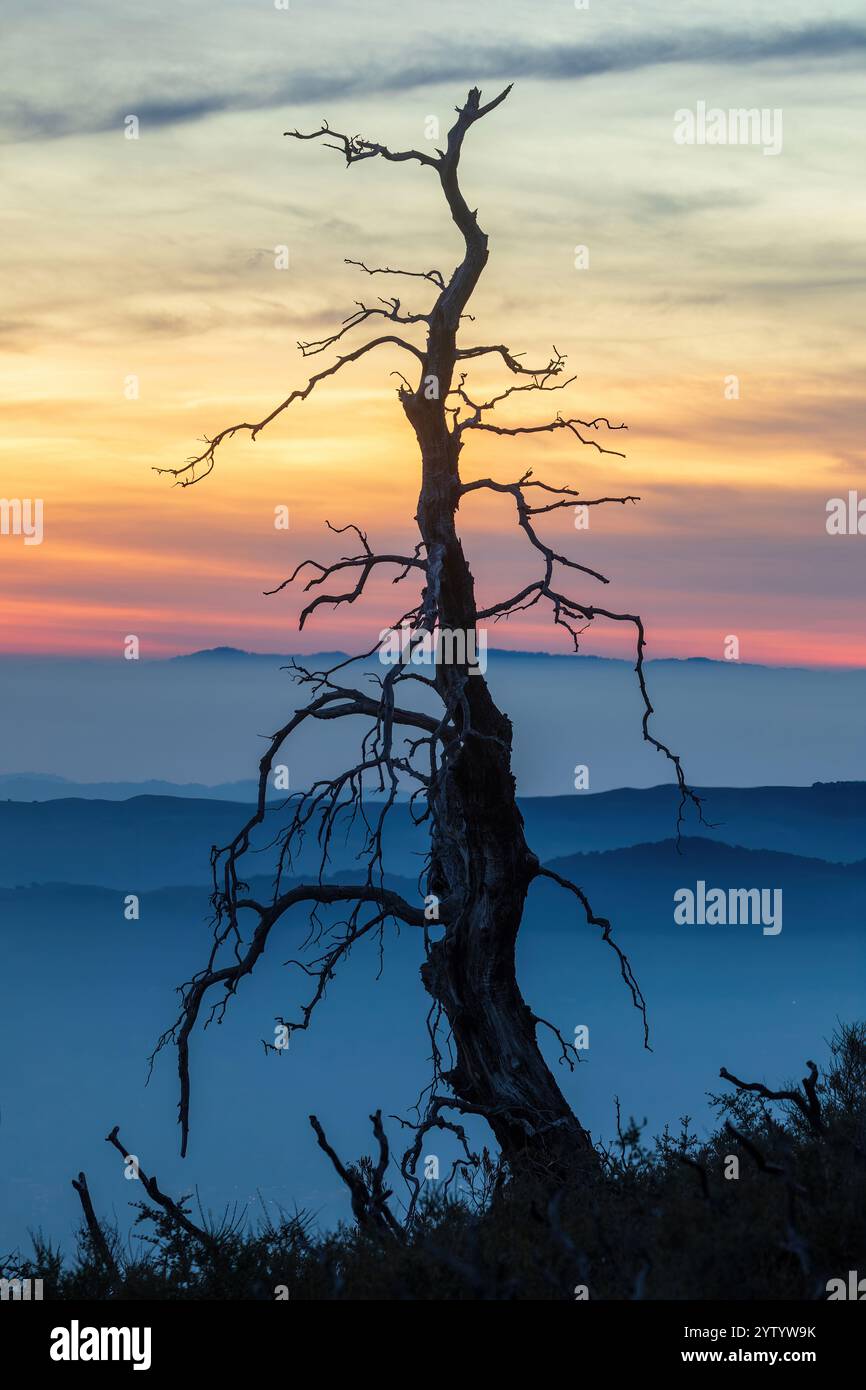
(806, 1101)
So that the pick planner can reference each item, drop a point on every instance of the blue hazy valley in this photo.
(85, 993)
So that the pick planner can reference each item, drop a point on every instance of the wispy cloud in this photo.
(822, 42)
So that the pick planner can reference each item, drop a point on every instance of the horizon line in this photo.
(235, 653)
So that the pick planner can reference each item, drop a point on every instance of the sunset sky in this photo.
(154, 258)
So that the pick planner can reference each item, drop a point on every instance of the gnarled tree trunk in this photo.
(480, 865)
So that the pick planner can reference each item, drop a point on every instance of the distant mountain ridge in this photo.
(639, 867)
(199, 721)
(41, 786)
(501, 653)
(149, 842)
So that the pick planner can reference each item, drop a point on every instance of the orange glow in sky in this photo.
(146, 309)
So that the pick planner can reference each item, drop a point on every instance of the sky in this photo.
(154, 259)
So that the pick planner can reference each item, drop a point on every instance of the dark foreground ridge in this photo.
(771, 1207)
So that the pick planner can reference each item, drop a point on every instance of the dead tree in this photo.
(458, 758)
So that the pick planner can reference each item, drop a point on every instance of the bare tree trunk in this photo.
(479, 847)
(480, 861)
(480, 865)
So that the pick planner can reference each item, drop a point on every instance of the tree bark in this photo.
(480, 861)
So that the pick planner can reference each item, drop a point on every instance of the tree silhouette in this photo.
(456, 758)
